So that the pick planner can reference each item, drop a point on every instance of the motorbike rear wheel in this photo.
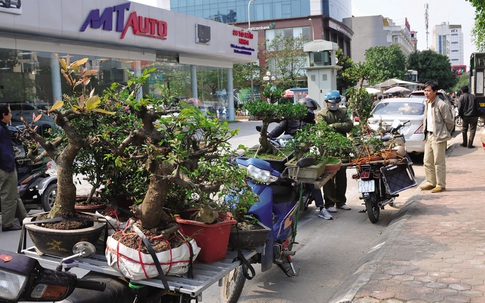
(373, 209)
(232, 285)
(48, 197)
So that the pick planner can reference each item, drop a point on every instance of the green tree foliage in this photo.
(432, 66)
(478, 32)
(464, 79)
(285, 59)
(385, 62)
(343, 79)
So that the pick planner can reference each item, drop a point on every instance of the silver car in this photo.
(402, 109)
(10, 3)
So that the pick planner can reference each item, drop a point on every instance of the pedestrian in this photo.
(468, 110)
(338, 119)
(12, 205)
(290, 127)
(438, 123)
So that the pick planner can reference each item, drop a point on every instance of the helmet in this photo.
(333, 96)
(309, 103)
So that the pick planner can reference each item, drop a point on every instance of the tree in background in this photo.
(432, 66)
(286, 59)
(385, 62)
(358, 100)
(463, 79)
(478, 32)
(343, 80)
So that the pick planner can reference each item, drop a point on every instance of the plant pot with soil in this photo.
(57, 236)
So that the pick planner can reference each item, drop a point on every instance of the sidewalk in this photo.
(434, 250)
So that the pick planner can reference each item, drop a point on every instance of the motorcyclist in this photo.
(289, 127)
(338, 119)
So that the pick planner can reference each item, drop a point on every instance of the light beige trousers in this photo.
(435, 161)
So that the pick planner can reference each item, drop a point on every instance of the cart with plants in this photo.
(163, 158)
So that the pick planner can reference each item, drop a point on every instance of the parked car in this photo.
(10, 3)
(402, 109)
(26, 110)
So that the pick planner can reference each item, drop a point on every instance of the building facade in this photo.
(447, 39)
(371, 31)
(119, 38)
(316, 19)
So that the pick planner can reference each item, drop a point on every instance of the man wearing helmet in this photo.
(338, 119)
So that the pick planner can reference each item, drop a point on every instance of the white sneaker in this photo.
(345, 207)
(324, 214)
(332, 209)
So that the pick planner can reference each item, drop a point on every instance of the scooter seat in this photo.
(283, 194)
(117, 291)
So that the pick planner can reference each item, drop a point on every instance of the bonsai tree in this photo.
(269, 113)
(320, 141)
(185, 154)
(73, 134)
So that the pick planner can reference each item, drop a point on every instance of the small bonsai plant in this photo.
(319, 141)
(73, 134)
(273, 113)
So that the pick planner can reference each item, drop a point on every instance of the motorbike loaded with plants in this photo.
(185, 158)
(282, 195)
(383, 169)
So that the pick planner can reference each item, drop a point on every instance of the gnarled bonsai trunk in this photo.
(66, 198)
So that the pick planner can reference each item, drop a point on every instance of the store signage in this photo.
(115, 15)
(243, 41)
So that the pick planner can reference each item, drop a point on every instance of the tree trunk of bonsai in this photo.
(66, 198)
(150, 211)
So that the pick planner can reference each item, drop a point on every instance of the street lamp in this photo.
(311, 24)
(251, 66)
(269, 77)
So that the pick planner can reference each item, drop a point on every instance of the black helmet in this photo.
(309, 103)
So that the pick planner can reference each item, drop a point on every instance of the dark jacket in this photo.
(468, 106)
(289, 127)
(7, 156)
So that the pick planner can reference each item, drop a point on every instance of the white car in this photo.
(402, 109)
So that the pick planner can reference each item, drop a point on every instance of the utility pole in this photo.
(251, 66)
(426, 17)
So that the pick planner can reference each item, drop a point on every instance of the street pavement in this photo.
(434, 250)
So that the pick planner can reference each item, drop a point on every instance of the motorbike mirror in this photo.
(84, 249)
(395, 124)
(23, 278)
(81, 249)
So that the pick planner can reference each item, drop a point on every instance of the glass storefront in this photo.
(34, 77)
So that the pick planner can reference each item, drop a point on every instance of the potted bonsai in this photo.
(269, 113)
(62, 147)
(186, 156)
(320, 145)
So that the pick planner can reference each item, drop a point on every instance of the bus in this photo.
(477, 84)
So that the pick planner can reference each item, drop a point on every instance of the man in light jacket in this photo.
(438, 123)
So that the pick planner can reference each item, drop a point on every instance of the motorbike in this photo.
(37, 182)
(23, 278)
(281, 199)
(380, 181)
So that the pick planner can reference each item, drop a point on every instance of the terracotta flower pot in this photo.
(212, 238)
